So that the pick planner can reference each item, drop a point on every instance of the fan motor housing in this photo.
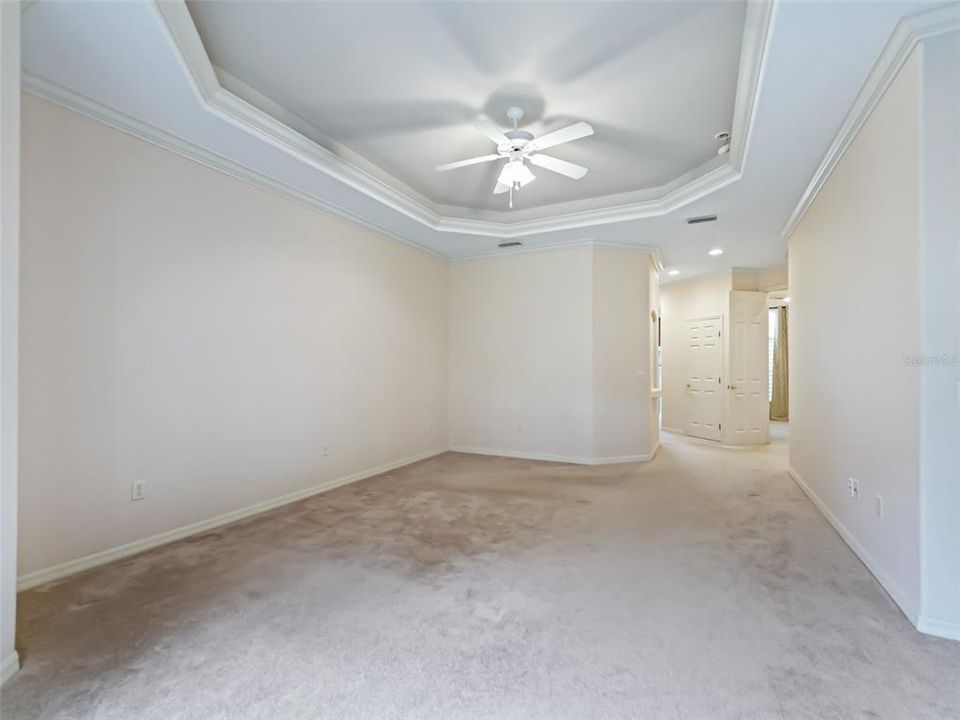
(518, 138)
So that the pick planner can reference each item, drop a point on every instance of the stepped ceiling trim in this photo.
(713, 175)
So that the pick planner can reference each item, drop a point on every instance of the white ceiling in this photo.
(398, 83)
(117, 62)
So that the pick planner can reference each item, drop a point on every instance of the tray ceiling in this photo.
(391, 87)
(141, 67)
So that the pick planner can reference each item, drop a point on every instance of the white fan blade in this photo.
(571, 132)
(563, 167)
(488, 128)
(464, 163)
(500, 189)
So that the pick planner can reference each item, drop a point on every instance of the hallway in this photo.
(701, 584)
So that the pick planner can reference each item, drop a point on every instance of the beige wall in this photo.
(186, 329)
(855, 309)
(768, 279)
(549, 355)
(679, 302)
(621, 353)
(521, 377)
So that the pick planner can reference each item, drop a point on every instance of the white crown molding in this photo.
(95, 110)
(658, 266)
(192, 55)
(525, 250)
(753, 54)
(566, 245)
(148, 133)
(697, 188)
(905, 36)
(284, 116)
(106, 115)
(215, 98)
(654, 252)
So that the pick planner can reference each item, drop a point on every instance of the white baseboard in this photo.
(866, 558)
(549, 457)
(617, 459)
(55, 572)
(11, 663)
(711, 443)
(940, 628)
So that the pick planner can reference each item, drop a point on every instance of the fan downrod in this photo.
(515, 114)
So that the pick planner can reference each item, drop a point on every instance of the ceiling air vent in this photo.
(509, 243)
(701, 219)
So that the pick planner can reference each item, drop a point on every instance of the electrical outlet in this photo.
(324, 449)
(878, 506)
(521, 428)
(138, 490)
(853, 485)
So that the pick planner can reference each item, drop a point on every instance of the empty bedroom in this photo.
(442, 359)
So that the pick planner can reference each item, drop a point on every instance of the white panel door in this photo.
(746, 387)
(704, 366)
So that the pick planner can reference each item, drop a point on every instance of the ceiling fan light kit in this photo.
(516, 146)
(516, 174)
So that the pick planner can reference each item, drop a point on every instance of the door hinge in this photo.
(719, 426)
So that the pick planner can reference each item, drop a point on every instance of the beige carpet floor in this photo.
(700, 585)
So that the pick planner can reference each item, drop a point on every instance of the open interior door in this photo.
(746, 385)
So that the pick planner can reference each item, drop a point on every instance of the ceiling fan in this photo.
(517, 146)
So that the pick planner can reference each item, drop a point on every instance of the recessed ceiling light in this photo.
(715, 252)
(673, 272)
